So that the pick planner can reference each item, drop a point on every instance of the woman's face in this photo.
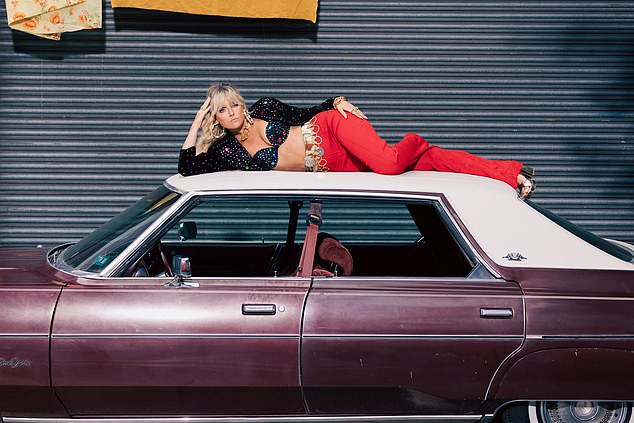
(230, 115)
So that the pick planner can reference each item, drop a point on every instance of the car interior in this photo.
(233, 240)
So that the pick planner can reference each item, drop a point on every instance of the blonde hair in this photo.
(211, 130)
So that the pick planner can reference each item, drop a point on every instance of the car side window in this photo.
(250, 237)
(239, 236)
(395, 238)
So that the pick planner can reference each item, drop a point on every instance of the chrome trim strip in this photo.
(23, 335)
(273, 336)
(576, 298)
(158, 281)
(335, 193)
(585, 337)
(173, 336)
(405, 336)
(280, 419)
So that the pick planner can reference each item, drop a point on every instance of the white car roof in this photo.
(489, 209)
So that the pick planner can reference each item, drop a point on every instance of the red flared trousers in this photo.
(352, 145)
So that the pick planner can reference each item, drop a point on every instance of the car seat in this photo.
(331, 257)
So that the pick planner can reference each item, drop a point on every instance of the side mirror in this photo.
(187, 230)
(181, 266)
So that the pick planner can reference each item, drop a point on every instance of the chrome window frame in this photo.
(187, 198)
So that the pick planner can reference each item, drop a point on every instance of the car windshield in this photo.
(595, 240)
(97, 250)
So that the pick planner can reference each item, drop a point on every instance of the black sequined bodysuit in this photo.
(228, 153)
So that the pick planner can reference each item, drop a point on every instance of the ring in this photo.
(355, 108)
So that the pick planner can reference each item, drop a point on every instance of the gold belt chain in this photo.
(314, 159)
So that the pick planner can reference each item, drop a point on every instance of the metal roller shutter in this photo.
(91, 123)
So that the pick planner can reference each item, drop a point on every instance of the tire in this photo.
(569, 412)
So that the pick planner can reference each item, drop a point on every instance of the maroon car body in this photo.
(465, 345)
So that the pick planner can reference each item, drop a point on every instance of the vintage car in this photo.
(289, 297)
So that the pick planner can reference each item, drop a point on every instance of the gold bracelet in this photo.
(338, 100)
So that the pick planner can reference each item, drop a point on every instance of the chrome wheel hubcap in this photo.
(584, 410)
(579, 412)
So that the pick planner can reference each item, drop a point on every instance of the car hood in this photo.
(29, 266)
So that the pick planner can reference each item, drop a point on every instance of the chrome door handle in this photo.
(258, 309)
(496, 313)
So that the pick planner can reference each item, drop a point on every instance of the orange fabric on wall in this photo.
(290, 9)
(49, 18)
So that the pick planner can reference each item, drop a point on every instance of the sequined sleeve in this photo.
(269, 108)
(191, 164)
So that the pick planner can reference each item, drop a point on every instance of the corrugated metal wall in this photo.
(89, 124)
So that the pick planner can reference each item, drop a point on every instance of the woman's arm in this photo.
(269, 108)
(192, 135)
(189, 163)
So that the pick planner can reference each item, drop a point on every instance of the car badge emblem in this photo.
(513, 256)
(14, 363)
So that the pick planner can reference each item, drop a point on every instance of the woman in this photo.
(334, 136)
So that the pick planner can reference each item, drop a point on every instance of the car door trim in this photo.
(173, 335)
(23, 335)
(572, 337)
(406, 336)
(290, 419)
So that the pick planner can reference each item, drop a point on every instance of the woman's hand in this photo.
(192, 135)
(345, 106)
(203, 111)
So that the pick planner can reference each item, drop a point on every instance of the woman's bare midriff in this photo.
(291, 154)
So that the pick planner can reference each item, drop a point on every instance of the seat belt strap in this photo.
(313, 220)
(292, 222)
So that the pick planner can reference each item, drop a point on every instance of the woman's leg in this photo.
(354, 145)
(444, 160)
(363, 146)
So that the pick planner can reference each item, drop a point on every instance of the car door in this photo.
(420, 327)
(224, 347)
(225, 342)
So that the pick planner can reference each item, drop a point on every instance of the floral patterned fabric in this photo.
(288, 9)
(49, 18)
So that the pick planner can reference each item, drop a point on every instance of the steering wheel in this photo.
(165, 258)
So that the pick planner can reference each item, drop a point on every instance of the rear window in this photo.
(601, 243)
